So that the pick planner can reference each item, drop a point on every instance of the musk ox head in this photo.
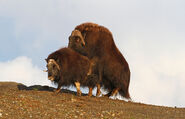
(53, 70)
(76, 41)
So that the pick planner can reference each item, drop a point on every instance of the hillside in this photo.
(18, 101)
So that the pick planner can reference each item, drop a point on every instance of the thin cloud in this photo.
(160, 80)
(22, 70)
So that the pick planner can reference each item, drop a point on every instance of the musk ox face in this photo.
(53, 69)
(76, 41)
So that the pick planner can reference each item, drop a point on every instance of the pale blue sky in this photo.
(150, 34)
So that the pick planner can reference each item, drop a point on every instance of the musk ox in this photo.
(96, 42)
(67, 67)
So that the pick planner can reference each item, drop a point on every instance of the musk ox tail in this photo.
(124, 90)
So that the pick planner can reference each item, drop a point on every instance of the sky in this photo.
(149, 33)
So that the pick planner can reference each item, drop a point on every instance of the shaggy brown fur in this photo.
(73, 67)
(92, 27)
(111, 66)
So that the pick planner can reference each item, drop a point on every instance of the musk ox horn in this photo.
(52, 61)
(78, 33)
(45, 70)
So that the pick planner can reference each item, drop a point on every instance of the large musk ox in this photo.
(67, 67)
(96, 42)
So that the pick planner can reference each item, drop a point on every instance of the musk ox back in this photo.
(95, 41)
(67, 67)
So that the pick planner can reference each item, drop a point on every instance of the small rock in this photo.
(21, 96)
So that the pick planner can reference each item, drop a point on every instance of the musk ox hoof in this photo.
(89, 95)
(79, 93)
(107, 95)
(98, 94)
(56, 91)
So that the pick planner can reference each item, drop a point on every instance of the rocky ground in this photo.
(39, 102)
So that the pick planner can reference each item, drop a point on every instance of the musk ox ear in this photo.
(79, 34)
(58, 61)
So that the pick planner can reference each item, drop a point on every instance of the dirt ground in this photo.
(39, 102)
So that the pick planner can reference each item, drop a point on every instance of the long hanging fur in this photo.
(73, 67)
(114, 68)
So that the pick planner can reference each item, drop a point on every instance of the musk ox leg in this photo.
(114, 92)
(98, 93)
(77, 84)
(90, 91)
(108, 94)
(57, 91)
(58, 88)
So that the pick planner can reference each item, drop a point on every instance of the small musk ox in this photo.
(66, 67)
(96, 42)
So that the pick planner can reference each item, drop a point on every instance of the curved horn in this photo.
(54, 62)
(45, 70)
(78, 33)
